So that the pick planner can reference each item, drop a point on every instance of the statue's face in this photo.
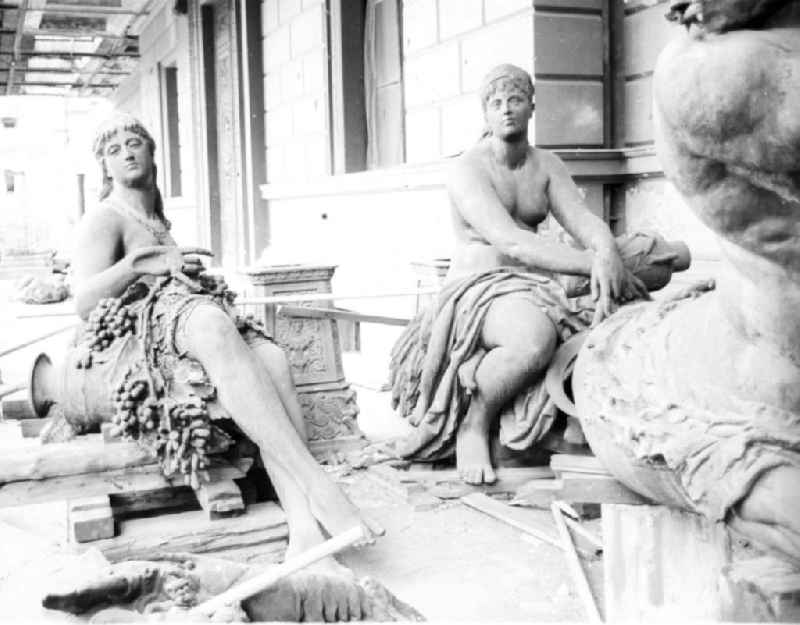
(128, 159)
(507, 111)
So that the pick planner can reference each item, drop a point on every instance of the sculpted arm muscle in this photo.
(100, 267)
(571, 212)
(477, 203)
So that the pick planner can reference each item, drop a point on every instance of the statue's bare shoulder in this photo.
(99, 240)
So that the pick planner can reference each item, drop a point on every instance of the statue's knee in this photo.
(209, 329)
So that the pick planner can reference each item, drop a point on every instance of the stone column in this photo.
(315, 356)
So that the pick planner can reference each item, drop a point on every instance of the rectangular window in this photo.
(172, 147)
(366, 84)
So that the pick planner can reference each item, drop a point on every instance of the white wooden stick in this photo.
(574, 566)
(268, 578)
(489, 506)
(47, 335)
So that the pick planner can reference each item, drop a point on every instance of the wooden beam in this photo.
(17, 45)
(338, 313)
(38, 462)
(71, 33)
(69, 9)
(72, 55)
(72, 85)
(64, 70)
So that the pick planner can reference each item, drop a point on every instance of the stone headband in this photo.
(506, 72)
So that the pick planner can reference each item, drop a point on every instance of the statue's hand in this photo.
(612, 283)
(163, 260)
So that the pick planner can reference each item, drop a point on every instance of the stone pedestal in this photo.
(666, 565)
(314, 352)
(661, 564)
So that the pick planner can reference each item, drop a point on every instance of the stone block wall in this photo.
(645, 33)
(448, 45)
(164, 42)
(296, 89)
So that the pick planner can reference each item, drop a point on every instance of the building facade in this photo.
(320, 130)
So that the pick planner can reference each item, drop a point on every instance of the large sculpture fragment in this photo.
(694, 401)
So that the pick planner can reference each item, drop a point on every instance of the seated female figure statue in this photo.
(482, 348)
(695, 402)
(164, 347)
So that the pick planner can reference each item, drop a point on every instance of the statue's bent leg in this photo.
(520, 340)
(276, 368)
(254, 403)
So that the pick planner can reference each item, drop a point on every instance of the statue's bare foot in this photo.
(473, 460)
(324, 591)
(337, 514)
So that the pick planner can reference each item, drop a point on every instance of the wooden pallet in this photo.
(103, 482)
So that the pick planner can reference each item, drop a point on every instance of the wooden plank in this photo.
(574, 566)
(508, 478)
(577, 488)
(90, 519)
(263, 529)
(73, 458)
(129, 488)
(340, 314)
(501, 512)
(220, 498)
(585, 488)
(31, 428)
(574, 463)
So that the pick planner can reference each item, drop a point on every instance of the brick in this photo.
(458, 16)
(420, 25)
(307, 32)
(276, 170)
(269, 16)
(292, 80)
(432, 75)
(279, 125)
(645, 33)
(310, 115)
(314, 70)
(462, 123)
(90, 519)
(500, 8)
(295, 153)
(288, 9)
(277, 48)
(569, 44)
(569, 113)
(317, 156)
(273, 95)
(638, 126)
(422, 135)
(507, 41)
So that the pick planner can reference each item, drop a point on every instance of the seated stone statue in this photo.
(695, 402)
(483, 346)
(163, 352)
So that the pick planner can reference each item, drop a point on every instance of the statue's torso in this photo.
(523, 193)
